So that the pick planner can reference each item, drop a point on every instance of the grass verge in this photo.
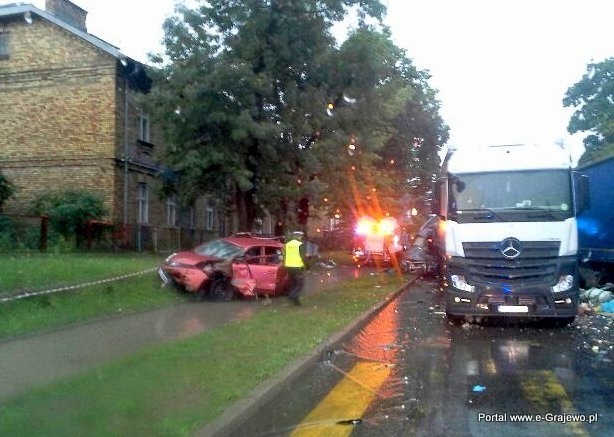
(175, 389)
(50, 311)
(35, 272)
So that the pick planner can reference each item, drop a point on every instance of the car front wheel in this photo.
(221, 290)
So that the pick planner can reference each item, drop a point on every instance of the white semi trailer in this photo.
(508, 232)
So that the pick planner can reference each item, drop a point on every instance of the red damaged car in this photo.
(242, 265)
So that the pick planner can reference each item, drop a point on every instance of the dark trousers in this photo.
(297, 281)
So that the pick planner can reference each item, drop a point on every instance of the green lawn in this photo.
(36, 271)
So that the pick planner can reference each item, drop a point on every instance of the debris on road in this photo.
(597, 300)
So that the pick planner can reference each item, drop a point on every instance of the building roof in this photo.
(16, 9)
(134, 70)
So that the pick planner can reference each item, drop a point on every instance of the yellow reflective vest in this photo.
(292, 257)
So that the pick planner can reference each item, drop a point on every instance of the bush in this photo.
(7, 234)
(7, 190)
(69, 212)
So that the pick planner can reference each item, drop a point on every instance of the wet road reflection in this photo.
(409, 372)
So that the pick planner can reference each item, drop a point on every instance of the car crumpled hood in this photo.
(191, 258)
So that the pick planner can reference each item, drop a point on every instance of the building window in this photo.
(4, 44)
(192, 217)
(209, 218)
(143, 202)
(171, 210)
(144, 128)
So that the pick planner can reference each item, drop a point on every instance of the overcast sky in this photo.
(501, 67)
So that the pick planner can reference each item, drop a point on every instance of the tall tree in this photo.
(263, 108)
(246, 89)
(593, 98)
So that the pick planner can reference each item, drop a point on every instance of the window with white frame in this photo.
(144, 127)
(171, 210)
(143, 202)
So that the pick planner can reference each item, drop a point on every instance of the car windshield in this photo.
(219, 249)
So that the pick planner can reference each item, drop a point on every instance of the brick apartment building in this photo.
(70, 119)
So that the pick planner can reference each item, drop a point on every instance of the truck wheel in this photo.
(455, 320)
(561, 322)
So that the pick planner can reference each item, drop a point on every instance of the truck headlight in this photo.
(564, 284)
(459, 282)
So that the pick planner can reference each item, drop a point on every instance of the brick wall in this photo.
(63, 125)
(62, 120)
(57, 126)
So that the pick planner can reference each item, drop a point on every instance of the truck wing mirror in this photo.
(440, 200)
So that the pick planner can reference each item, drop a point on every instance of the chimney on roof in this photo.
(68, 12)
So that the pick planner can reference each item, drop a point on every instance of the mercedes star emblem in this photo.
(511, 248)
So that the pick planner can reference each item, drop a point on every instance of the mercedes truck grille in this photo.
(537, 262)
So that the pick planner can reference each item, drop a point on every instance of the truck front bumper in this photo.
(517, 303)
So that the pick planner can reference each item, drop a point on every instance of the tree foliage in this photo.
(391, 130)
(260, 107)
(593, 98)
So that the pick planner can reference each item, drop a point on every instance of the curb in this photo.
(236, 415)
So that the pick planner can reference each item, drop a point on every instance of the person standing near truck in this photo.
(294, 262)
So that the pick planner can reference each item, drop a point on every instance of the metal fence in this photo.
(149, 238)
(19, 233)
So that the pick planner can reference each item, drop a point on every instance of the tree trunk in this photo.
(245, 210)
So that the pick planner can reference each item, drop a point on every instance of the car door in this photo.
(265, 270)
(250, 267)
(263, 264)
(273, 260)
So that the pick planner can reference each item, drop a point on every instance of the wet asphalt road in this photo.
(409, 373)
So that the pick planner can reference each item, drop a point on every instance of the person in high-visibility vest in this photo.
(294, 262)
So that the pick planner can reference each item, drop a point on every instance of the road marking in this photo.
(347, 401)
(542, 388)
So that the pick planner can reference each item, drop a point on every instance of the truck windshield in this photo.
(531, 195)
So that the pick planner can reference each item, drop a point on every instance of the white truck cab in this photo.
(509, 232)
